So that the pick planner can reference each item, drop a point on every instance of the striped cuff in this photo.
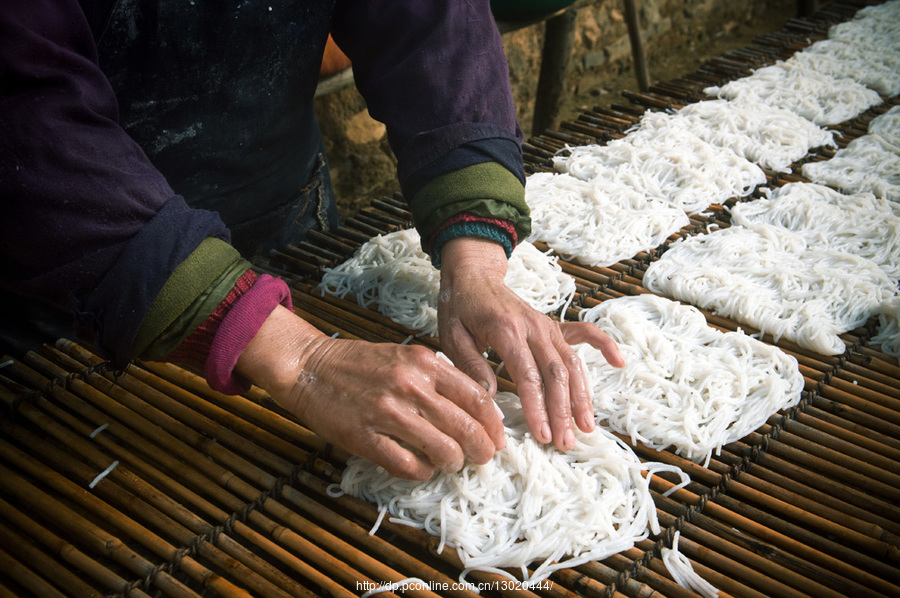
(470, 225)
(193, 351)
(238, 328)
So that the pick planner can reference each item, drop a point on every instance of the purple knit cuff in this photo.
(239, 326)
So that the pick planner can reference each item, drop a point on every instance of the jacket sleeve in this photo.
(435, 73)
(88, 222)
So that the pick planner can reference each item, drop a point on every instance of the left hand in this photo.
(477, 311)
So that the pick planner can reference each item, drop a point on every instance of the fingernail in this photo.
(587, 423)
(486, 385)
(569, 439)
(546, 436)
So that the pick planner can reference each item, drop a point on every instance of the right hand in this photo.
(400, 406)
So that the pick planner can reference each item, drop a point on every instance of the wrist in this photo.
(473, 256)
(276, 356)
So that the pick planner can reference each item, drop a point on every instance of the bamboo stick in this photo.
(856, 416)
(741, 529)
(360, 536)
(147, 504)
(824, 500)
(882, 575)
(775, 579)
(67, 552)
(849, 432)
(120, 521)
(97, 539)
(262, 410)
(43, 565)
(290, 538)
(814, 441)
(773, 485)
(814, 480)
(659, 581)
(27, 578)
(836, 467)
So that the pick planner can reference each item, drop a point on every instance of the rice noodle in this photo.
(887, 127)
(392, 273)
(529, 503)
(768, 277)
(860, 224)
(597, 222)
(667, 164)
(685, 384)
(794, 86)
(769, 136)
(681, 570)
(872, 65)
(866, 164)
(888, 331)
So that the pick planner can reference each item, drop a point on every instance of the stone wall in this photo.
(677, 35)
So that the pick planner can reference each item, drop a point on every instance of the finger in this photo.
(585, 332)
(423, 436)
(579, 388)
(463, 350)
(398, 460)
(476, 417)
(527, 377)
(555, 375)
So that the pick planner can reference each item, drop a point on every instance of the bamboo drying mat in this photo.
(218, 495)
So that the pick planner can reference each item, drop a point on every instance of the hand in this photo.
(401, 406)
(477, 311)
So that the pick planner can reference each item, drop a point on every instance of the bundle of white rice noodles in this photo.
(793, 85)
(531, 503)
(868, 163)
(888, 328)
(394, 274)
(769, 278)
(685, 384)
(765, 135)
(876, 67)
(877, 26)
(860, 224)
(597, 222)
(887, 127)
(667, 164)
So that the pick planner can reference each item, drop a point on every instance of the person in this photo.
(153, 151)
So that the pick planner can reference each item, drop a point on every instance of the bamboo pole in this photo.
(152, 509)
(98, 540)
(837, 450)
(67, 552)
(287, 535)
(813, 480)
(27, 578)
(43, 565)
(826, 423)
(771, 542)
(120, 521)
(775, 578)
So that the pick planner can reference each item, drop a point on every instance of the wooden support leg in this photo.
(637, 46)
(806, 8)
(559, 36)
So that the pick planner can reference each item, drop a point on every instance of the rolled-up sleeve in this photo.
(88, 222)
(436, 74)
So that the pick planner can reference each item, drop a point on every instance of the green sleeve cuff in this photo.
(487, 190)
(196, 287)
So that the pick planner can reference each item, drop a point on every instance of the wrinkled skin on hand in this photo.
(401, 406)
(477, 311)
